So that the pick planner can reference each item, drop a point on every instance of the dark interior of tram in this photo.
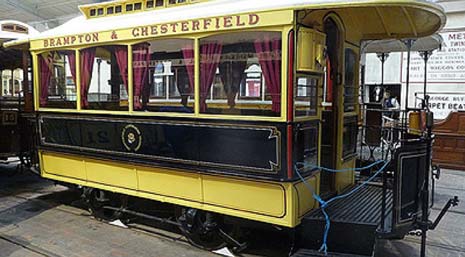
(329, 115)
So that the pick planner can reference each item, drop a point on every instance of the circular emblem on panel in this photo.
(132, 138)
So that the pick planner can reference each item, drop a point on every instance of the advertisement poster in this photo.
(443, 103)
(445, 65)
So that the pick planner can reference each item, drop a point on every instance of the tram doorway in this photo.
(330, 131)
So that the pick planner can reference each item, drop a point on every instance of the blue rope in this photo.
(324, 204)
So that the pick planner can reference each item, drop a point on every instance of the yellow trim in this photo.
(35, 67)
(267, 19)
(86, 9)
(78, 80)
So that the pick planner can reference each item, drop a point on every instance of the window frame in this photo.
(316, 112)
(196, 37)
(264, 97)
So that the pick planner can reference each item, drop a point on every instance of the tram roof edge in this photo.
(15, 31)
(424, 11)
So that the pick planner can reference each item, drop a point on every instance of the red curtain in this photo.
(72, 63)
(87, 65)
(188, 54)
(269, 56)
(46, 66)
(329, 81)
(141, 59)
(232, 73)
(121, 53)
(210, 58)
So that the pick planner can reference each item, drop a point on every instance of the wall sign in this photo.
(443, 103)
(445, 65)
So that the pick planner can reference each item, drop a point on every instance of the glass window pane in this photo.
(350, 136)
(306, 95)
(164, 76)
(240, 74)
(350, 96)
(57, 84)
(104, 78)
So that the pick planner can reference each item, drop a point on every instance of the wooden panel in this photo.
(261, 198)
(449, 146)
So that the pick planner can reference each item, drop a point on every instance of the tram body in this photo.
(15, 131)
(211, 105)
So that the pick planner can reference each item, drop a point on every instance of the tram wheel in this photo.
(207, 230)
(25, 159)
(98, 199)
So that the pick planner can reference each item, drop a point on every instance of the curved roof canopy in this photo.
(429, 43)
(375, 19)
(14, 30)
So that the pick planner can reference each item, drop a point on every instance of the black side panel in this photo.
(240, 148)
(409, 178)
(9, 134)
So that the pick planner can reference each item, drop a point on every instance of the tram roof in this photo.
(424, 17)
(15, 30)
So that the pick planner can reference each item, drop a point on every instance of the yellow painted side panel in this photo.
(66, 166)
(345, 179)
(109, 174)
(258, 197)
(269, 202)
(170, 183)
(305, 200)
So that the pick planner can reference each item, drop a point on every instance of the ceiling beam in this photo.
(33, 10)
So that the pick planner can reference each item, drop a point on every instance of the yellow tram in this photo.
(210, 105)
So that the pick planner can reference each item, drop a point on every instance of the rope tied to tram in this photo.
(324, 204)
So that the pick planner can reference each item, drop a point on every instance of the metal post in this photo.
(424, 224)
(99, 63)
(429, 127)
(383, 57)
(408, 43)
(425, 55)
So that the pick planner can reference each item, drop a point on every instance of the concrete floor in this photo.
(38, 218)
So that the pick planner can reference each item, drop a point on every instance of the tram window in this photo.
(138, 6)
(163, 74)
(118, 9)
(306, 146)
(149, 4)
(306, 95)
(241, 74)
(159, 3)
(57, 76)
(100, 11)
(110, 10)
(104, 78)
(350, 96)
(129, 7)
(350, 136)
(12, 83)
(93, 12)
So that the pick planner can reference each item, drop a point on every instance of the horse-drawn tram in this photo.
(15, 96)
(229, 110)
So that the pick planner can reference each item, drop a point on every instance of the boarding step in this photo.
(354, 220)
